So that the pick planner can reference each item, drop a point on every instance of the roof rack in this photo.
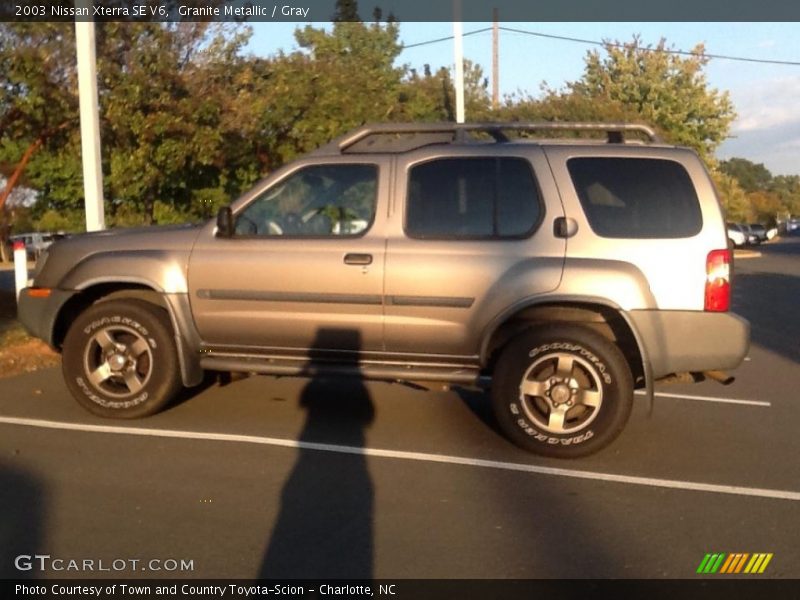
(431, 133)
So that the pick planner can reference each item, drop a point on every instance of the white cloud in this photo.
(768, 127)
(768, 104)
(778, 148)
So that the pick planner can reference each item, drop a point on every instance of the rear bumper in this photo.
(691, 341)
(38, 315)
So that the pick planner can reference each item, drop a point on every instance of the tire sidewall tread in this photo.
(606, 359)
(150, 321)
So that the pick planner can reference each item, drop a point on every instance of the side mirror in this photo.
(225, 222)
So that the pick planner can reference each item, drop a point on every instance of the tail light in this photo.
(718, 281)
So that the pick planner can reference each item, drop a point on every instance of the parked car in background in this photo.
(35, 242)
(736, 236)
(759, 231)
(772, 232)
(752, 238)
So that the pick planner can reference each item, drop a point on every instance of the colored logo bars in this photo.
(734, 563)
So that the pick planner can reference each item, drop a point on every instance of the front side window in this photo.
(317, 201)
(472, 198)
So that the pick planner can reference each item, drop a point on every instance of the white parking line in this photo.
(710, 399)
(414, 456)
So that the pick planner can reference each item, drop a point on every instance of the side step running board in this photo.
(311, 368)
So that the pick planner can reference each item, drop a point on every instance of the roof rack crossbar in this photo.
(615, 132)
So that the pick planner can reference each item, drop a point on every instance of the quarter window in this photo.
(318, 201)
(636, 197)
(473, 198)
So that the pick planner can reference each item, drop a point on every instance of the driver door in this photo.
(307, 255)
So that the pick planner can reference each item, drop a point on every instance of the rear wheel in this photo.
(562, 390)
(120, 359)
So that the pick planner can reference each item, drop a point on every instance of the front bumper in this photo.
(38, 314)
(691, 341)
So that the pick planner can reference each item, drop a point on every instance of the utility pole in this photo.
(90, 124)
(458, 51)
(495, 60)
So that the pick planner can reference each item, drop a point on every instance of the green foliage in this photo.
(431, 97)
(750, 193)
(733, 198)
(787, 188)
(561, 106)
(663, 89)
(53, 220)
(189, 121)
(751, 176)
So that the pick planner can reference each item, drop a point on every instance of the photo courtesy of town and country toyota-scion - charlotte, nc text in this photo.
(151, 11)
(231, 590)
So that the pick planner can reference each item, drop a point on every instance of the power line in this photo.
(664, 50)
(446, 39)
(613, 45)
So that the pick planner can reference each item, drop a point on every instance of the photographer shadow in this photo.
(21, 527)
(325, 526)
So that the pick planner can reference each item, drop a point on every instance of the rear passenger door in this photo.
(469, 235)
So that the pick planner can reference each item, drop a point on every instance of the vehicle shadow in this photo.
(21, 526)
(325, 526)
(769, 302)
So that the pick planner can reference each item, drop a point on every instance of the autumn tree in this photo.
(662, 88)
(430, 96)
(751, 176)
(39, 137)
(733, 198)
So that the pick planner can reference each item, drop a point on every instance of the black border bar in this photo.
(708, 588)
(305, 11)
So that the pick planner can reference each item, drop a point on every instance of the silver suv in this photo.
(565, 273)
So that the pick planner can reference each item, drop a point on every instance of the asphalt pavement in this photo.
(315, 478)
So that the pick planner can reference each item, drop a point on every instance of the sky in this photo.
(766, 97)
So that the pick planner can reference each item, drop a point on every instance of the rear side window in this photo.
(472, 198)
(636, 198)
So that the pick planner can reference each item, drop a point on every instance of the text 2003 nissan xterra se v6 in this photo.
(566, 272)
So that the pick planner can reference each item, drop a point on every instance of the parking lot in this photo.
(314, 478)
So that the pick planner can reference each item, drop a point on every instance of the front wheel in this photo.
(120, 360)
(562, 391)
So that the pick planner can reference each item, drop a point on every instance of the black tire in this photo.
(578, 391)
(120, 361)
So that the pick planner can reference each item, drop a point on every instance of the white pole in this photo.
(458, 51)
(90, 125)
(20, 267)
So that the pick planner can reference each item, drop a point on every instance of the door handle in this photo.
(564, 227)
(358, 259)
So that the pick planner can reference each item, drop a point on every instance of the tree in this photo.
(751, 176)
(732, 197)
(431, 97)
(663, 89)
(765, 206)
(339, 80)
(38, 104)
(787, 187)
(564, 106)
(164, 124)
